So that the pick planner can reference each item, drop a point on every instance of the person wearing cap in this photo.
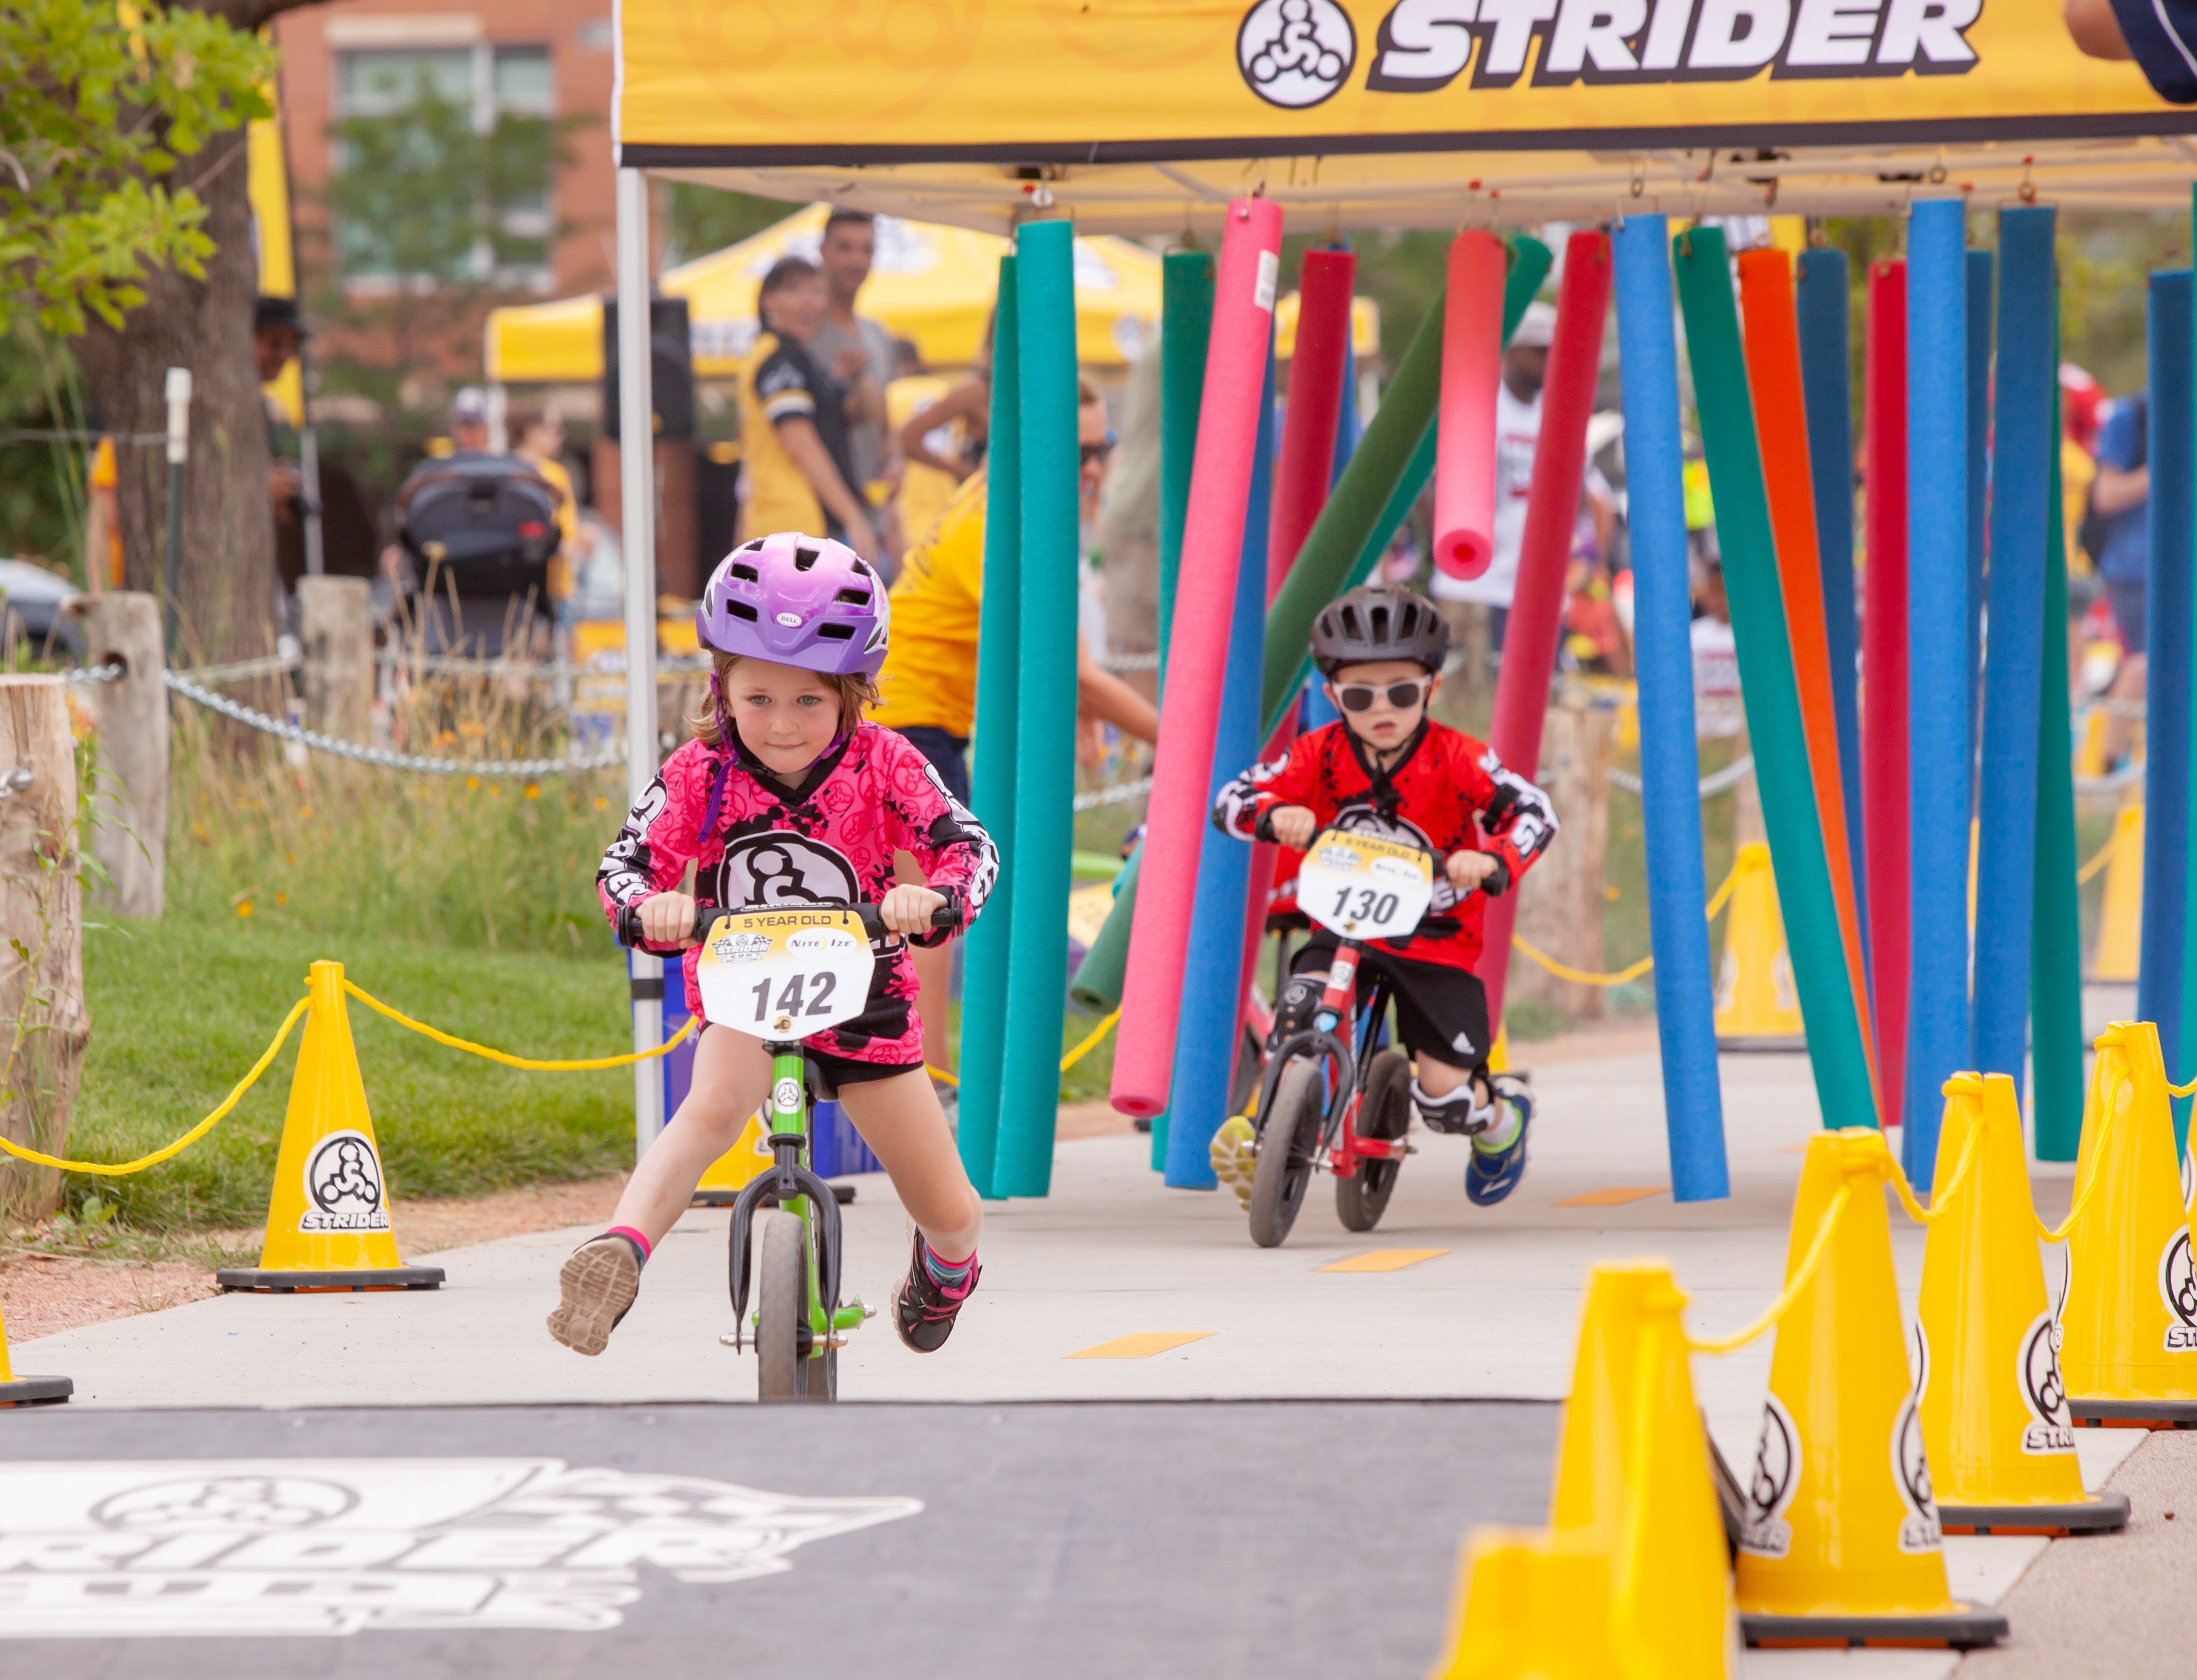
(468, 421)
(1517, 433)
(278, 333)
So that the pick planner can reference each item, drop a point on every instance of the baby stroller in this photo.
(479, 530)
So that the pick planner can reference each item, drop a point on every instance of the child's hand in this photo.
(1467, 870)
(907, 907)
(1293, 825)
(667, 918)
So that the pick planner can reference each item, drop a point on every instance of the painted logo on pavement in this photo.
(331, 1546)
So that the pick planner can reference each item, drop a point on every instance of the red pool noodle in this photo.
(1464, 439)
(1529, 644)
(1773, 377)
(1306, 464)
(1197, 644)
(1884, 676)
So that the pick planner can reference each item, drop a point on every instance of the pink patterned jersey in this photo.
(829, 840)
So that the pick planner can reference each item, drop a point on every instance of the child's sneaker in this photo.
(923, 1310)
(600, 1281)
(1235, 1156)
(1493, 1172)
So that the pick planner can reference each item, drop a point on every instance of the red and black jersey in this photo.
(1447, 792)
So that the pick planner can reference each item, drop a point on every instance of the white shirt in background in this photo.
(1518, 431)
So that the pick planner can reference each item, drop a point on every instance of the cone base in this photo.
(2101, 1514)
(2094, 1414)
(274, 1281)
(1961, 1629)
(1788, 1042)
(36, 1391)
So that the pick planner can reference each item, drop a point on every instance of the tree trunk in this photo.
(43, 1026)
(227, 596)
(1560, 903)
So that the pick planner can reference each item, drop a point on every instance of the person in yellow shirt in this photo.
(929, 683)
(540, 445)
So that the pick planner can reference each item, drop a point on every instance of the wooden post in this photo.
(335, 623)
(43, 1026)
(1560, 903)
(130, 836)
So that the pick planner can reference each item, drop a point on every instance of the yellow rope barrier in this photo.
(1580, 977)
(1940, 1202)
(1091, 1042)
(2103, 856)
(115, 1170)
(587, 1065)
(1791, 1293)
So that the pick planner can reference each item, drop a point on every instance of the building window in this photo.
(443, 163)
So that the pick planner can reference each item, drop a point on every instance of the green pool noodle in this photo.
(992, 777)
(1844, 1088)
(1186, 332)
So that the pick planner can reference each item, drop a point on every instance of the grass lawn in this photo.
(180, 1008)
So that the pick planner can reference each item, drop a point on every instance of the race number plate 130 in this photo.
(781, 975)
(1364, 887)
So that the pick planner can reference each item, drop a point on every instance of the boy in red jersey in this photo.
(1387, 768)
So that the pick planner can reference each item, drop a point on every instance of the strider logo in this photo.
(1424, 45)
(1777, 1478)
(1910, 1468)
(343, 1183)
(2177, 1287)
(1296, 53)
(2044, 1392)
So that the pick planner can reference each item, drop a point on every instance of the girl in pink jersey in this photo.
(787, 797)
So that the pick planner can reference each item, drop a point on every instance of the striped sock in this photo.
(633, 1237)
(951, 1275)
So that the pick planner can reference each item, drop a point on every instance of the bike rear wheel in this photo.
(1385, 1113)
(1288, 1150)
(783, 1372)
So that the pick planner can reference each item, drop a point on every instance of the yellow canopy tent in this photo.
(929, 283)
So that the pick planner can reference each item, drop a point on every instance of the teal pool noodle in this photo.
(1185, 330)
(992, 778)
(2055, 949)
(1045, 709)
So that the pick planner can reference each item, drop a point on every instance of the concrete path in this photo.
(1163, 1293)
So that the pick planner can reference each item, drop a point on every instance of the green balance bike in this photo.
(779, 975)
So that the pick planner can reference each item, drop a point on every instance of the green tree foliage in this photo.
(100, 111)
(704, 219)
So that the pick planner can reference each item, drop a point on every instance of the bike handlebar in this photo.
(947, 918)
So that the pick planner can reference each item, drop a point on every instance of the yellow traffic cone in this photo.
(28, 1391)
(2120, 916)
(724, 1179)
(1842, 1545)
(2127, 1312)
(1632, 1477)
(328, 1220)
(1756, 1007)
(1994, 1408)
(1529, 1606)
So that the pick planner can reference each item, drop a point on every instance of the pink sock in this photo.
(634, 1237)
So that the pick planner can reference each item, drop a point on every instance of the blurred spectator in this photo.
(1128, 534)
(541, 445)
(2159, 34)
(950, 438)
(2117, 533)
(794, 421)
(1717, 710)
(2081, 396)
(278, 333)
(848, 345)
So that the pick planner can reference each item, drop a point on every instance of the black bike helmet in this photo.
(1375, 621)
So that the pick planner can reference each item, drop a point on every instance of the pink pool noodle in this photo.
(1197, 653)
(1302, 475)
(1464, 439)
(1553, 502)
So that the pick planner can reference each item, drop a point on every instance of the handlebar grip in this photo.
(946, 916)
(629, 923)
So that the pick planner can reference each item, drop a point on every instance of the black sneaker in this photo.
(923, 1310)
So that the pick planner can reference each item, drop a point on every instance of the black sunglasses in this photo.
(1091, 452)
(1359, 697)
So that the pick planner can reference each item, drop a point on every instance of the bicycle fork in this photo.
(789, 1184)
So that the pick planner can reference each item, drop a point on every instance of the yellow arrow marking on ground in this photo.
(1141, 1346)
(1616, 1196)
(1385, 1260)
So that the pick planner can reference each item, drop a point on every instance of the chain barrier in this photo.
(1119, 794)
(97, 673)
(383, 756)
(1581, 977)
(1130, 662)
(1719, 781)
(546, 670)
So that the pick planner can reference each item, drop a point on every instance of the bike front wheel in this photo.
(1288, 1150)
(784, 1371)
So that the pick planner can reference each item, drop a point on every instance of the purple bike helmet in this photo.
(796, 601)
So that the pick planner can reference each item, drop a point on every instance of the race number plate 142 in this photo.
(781, 974)
(1364, 887)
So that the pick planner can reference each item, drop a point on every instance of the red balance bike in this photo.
(1335, 1097)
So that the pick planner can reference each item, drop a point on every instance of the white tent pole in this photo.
(637, 535)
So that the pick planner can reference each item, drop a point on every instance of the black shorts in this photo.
(1442, 1012)
(948, 754)
(840, 1070)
